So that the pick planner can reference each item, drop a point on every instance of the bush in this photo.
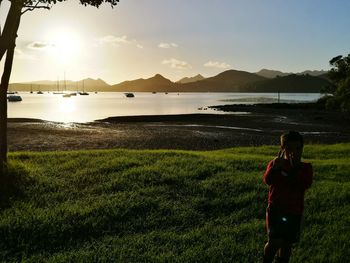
(328, 102)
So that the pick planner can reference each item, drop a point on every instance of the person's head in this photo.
(292, 143)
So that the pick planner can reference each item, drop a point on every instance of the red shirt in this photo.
(286, 191)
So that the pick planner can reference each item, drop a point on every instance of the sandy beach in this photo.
(243, 125)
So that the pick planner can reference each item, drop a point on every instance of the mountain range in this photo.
(268, 73)
(190, 79)
(227, 81)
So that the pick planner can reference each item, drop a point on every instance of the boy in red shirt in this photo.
(288, 178)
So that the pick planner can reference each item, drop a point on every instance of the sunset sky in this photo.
(139, 38)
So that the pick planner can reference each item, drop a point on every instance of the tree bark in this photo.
(3, 106)
(9, 32)
(14, 17)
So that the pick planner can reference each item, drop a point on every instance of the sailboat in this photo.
(83, 93)
(40, 92)
(58, 87)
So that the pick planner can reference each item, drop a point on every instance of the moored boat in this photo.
(129, 95)
(14, 98)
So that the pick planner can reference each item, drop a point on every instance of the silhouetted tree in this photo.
(340, 76)
(7, 46)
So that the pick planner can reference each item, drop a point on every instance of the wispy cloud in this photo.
(178, 64)
(216, 64)
(38, 45)
(19, 54)
(168, 45)
(118, 41)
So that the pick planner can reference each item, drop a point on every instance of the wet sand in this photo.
(245, 125)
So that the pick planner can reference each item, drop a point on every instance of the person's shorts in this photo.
(283, 226)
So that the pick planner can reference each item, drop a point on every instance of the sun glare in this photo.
(67, 106)
(65, 46)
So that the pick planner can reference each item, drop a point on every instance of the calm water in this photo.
(54, 107)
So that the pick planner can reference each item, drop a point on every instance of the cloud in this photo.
(216, 64)
(118, 41)
(19, 54)
(139, 46)
(167, 45)
(37, 45)
(174, 63)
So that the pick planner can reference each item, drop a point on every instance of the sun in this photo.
(65, 46)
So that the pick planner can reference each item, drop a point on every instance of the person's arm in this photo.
(271, 172)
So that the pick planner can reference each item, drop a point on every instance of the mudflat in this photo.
(242, 125)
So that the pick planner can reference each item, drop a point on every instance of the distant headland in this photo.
(228, 81)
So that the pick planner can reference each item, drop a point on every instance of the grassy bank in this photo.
(164, 206)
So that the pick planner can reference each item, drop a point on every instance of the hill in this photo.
(227, 81)
(290, 83)
(164, 206)
(315, 73)
(87, 84)
(192, 79)
(268, 73)
(156, 83)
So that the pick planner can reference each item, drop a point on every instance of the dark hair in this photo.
(291, 136)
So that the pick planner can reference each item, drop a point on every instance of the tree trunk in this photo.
(8, 39)
(9, 32)
(3, 107)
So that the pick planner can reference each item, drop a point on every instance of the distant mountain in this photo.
(268, 73)
(316, 73)
(290, 83)
(156, 83)
(192, 79)
(227, 81)
(88, 84)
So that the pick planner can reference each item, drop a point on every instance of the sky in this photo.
(182, 38)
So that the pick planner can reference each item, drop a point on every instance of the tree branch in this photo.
(36, 6)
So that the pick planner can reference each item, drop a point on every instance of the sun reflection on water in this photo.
(67, 105)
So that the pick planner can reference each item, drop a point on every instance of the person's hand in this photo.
(278, 161)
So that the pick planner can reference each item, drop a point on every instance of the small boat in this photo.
(40, 92)
(73, 94)
(83, 92)
(14, 98)
(11, 92)
(154, 92)
(129, 95)
(66, 95)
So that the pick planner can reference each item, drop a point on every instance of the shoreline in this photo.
(261, 126)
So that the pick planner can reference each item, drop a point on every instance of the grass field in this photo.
(164, 206)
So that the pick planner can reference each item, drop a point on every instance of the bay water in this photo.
(55, 107)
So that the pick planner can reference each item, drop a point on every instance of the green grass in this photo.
(164, 206)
